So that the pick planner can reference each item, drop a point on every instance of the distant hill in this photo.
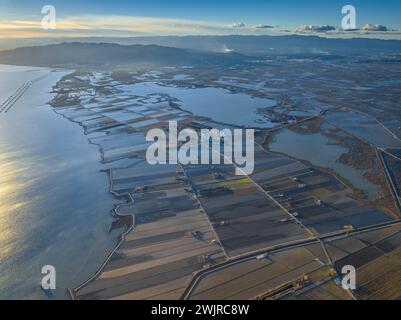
(291, 44)
(248, 45)
(103, 54)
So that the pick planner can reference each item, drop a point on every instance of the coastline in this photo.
(42, 158)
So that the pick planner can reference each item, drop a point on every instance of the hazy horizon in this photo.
(20, 21)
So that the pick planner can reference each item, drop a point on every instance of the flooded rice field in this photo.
(365, 127)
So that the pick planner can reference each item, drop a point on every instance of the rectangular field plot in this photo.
(244, 217)
(263, 279)
(376, 255)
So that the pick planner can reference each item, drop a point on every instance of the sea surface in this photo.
(54, 201)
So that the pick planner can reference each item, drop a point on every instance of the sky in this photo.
(122, 18)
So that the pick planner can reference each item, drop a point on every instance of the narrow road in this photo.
(389, 179)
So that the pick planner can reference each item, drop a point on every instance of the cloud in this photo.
(370, 28)
(313, 28)
(349, 30)
(237, 25)
(110, 25)
(131, 26)
(375, 27)
(263, 26)
(125, 26)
